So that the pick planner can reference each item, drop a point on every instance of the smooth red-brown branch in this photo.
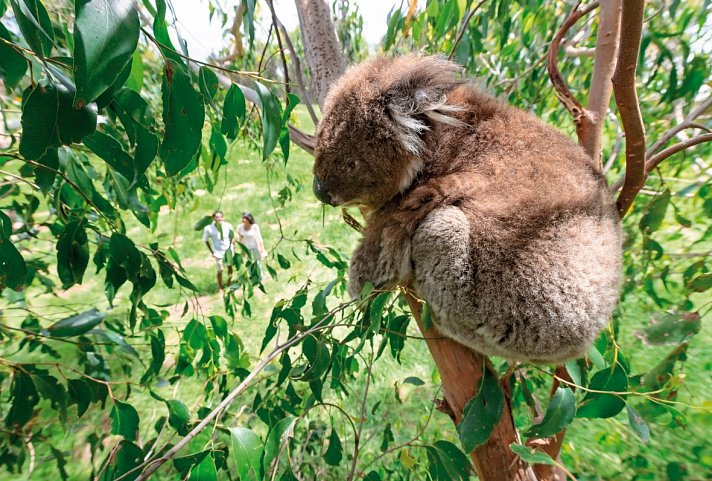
(461, 370)
(686, 123)
(562, 90)
(627, 103)
(655, 160)
(599, 97)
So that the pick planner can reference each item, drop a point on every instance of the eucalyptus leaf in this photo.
(105, 38)
(481, 413)
(77, 325)
(247, 450)
(183, 116)
(124, 420)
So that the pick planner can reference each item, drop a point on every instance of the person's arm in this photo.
(206, 238)
(260, 242)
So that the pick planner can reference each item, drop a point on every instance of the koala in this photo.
(501, 223)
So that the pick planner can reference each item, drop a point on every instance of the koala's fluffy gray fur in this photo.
(501, 222)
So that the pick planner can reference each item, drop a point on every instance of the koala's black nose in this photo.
(320, 191)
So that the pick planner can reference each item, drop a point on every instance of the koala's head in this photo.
(371, 137)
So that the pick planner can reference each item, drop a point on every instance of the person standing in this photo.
(219, 236)
(250, 236)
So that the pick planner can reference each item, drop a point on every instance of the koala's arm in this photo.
(384, 255)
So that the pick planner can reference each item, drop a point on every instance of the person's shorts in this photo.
(219, 263)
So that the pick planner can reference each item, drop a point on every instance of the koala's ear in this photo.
(417, 97)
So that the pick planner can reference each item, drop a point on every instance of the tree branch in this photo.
(655, 160)
(627, 102)
(298, 74)
(275, 24)
(562, 90)
(321, 47)
(599, 97)
(687, 122)
(461, 370)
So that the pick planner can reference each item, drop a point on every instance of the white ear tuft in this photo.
(437, 110)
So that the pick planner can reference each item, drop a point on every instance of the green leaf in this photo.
(376, 310)
(655, 212)
(276, 439)
(671, 328)
(105, 37)
(203, 223)
(599, 405)
(481, 413)
(318, 356)
(335, 451)
(208, 82)
(415, 381)
(124, 253)
(107, 96)
(110, 150)
(204, 471)
(80, 394)
(13, 64)
(72, 254)
(559, 414)
(638, 424)
(124, 420)
(135, 80)
(234, 109)
(183, 116)
(35, 25)
(76, 325)
(701, 283)
(13, 270)
(39, 121)
(73, 124)
(24, 397)
(178, 416)
(271, 119)
(531, 455)
(44, 178)
(247, 452)
(449, 462)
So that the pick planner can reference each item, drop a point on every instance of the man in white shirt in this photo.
(219, 236)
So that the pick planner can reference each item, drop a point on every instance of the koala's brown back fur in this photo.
(502, 222)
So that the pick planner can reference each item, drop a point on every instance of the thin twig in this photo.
(686, 123)
(298, 74)
(275, 24)
(357, 437)
(463, 28)
(656, 159)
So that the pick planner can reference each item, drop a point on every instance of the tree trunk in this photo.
(461, 370)
(321, 47)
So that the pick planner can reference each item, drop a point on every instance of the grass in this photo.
(594, 449)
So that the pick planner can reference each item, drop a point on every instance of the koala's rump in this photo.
(544, 299)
